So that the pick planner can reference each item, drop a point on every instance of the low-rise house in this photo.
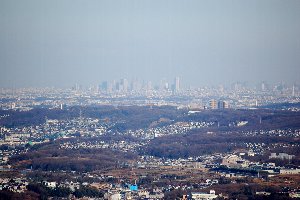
(204, 196)
(281, 156)
(263, 193)
(49, 184)
(289, 171)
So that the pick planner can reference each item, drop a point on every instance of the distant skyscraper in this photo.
(104, 86)
(124, 85)
(263, 86)
(119, 86)
(135, 85)
(163, 85)
(110, 87)
(166, 86)
(293, 92)
(76, 87)
(176, 87)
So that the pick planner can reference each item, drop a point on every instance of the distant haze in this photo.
(63, 42)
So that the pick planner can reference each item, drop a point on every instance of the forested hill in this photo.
(136, 117)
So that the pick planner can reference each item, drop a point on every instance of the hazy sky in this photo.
(63, 42)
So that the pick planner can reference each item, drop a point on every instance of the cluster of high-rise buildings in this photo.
(135, 85)
(137, 92)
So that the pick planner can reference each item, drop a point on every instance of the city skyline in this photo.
(61, 43)
(174, 84)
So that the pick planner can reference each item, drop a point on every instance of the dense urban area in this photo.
(121, 140)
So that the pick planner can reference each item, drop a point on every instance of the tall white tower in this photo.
(177, 84)
(293, 93)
